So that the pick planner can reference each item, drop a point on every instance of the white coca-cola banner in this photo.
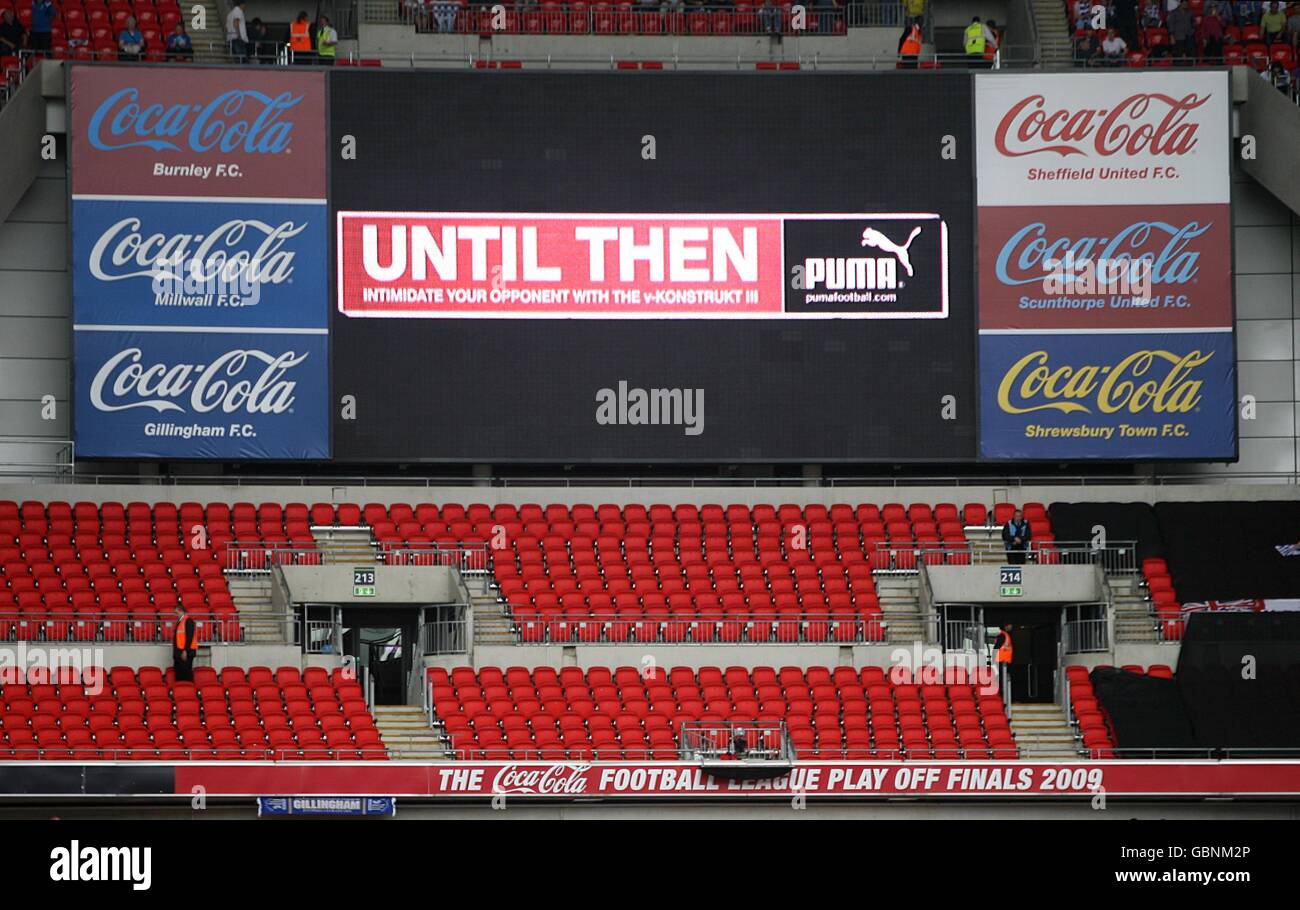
(1123, 138)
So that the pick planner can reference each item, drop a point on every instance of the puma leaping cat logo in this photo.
(873, 237)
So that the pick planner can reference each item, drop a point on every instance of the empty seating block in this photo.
(120, 714)
(604, 714)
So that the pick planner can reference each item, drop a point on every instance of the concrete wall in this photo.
(393, 585)
(1041, 584)
(394, 43)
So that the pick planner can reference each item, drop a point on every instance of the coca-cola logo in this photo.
(1162, 247)
(1150, 123)
(242, 248)
(246, 380)
(239, 120)
(553, 780)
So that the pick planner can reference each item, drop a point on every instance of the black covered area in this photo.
(1122, 520)
(1230, 707)
(1237, 687)
(1146, 713)
(1226, 550)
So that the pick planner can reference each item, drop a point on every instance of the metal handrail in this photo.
(736, 741)
(75, 626)
(696, 629)
(953, 481)
(257, 557)
(1118, 558)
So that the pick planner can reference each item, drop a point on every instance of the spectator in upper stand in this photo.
(1125, 20)
(769, 18)
(975, 39)
(1212, 33)
(12, 34)
(992, 42)
(130, 43)
(909, 45)
(826, 14)
(179, 46)
(1082, 15)
(1152, 15)
(1114, 49)
(1246, 12)
(1087, 52)
(1293, 26)
(444, 16)
(43, 14)
(1273, 22)
(1016, 533)
(1222, 7)
(1278, 75)
(327, 41)
(300, 39)
(914, 10)
(259, 41)
(1182, 31)
(237, 32)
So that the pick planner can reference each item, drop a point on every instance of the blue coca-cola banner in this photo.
(207, 394)
(1108, 395)
(183, 264)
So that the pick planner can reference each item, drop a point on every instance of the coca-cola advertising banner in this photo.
(1107, 395)
(1105, 267)
(196, 132)
(1137, 137)
(205, 393)
(602, 266)
(179, 264)
(682, 780)
(200, 281)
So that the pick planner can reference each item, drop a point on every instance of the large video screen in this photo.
(568, 267)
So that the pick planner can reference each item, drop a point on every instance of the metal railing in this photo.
(695, 629)
(63, 459)
(951, 481)
(464, 748)
(142, 627)
(665, 17)
(1116, 558)
(733, 741)
(446, 636)
(259, 557)
(171, 753)
(1085, 634)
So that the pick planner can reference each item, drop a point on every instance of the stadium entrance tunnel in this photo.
(1036, 651)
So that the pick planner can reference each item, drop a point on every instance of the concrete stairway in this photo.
(345, 545)
(1133, 620)
(252, 596)
(491, 625)
(1042, 733)
(210, 41)
(1053, 33)
(900, 602)
(407, 735)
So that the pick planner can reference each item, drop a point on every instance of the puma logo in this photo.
(873, 237)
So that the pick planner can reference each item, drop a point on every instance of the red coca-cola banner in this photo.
(567, 780)
(450, 264)
(1105, 267)
(190, 131)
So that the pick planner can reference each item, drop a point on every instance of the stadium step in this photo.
(407, 735)
(900, 606)
(491, 626)
(1043, 733)
(1133, 619)
(252, 596)
(210, 41)
(1053, 33)
(345, 545)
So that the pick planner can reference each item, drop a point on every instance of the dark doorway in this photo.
(384, 642)
(1035, 635)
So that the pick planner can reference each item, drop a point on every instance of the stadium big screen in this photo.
(524, 260)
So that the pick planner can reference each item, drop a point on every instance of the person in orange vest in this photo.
(991, 46)
(185, 646)
(909, 46)
(1003, 654)
(300, 38)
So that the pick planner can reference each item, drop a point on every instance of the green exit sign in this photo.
(1009, 582)
(363, 582)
